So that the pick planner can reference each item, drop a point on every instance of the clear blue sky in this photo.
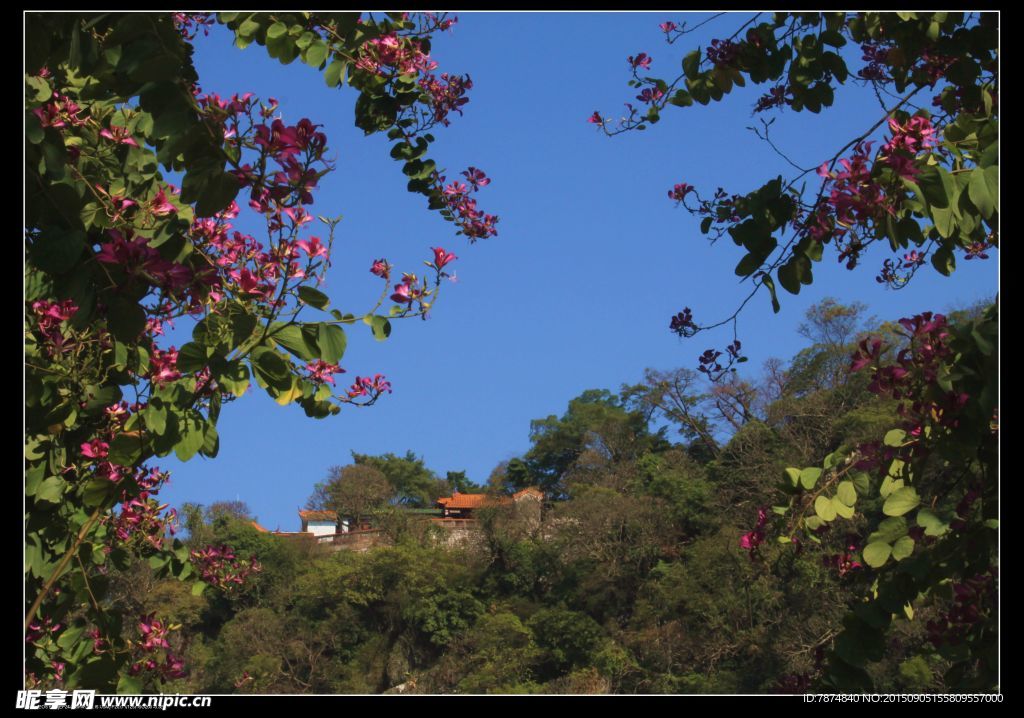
(591, 261)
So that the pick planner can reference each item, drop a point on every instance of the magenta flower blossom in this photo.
(403, 293)
(476, 178)
(320, 371)
(160, 207)
(313, 247)
(667, 27)
(595, 119)
(381, 268)
(119, 135)
(95, 449)
(679, 191)
(643, 61)
(650, 95)
(977, 250)
(442, 257)
(365, 386)
(163, 366)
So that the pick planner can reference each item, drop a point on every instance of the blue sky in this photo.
(591, 261)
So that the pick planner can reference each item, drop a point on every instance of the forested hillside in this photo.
(640, 580)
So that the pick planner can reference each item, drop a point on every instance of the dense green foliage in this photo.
(825, 524)
(919, 498)
(635, 581)
(114, 252)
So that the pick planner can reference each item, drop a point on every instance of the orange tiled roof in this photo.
(260, 528)
(465, 501)
(475, 501)
(318, 515)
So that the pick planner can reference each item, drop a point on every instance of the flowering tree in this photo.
(919, 507)
(115, 254)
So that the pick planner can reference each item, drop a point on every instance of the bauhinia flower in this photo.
(313, 247)
(320, 371)
(442, 257)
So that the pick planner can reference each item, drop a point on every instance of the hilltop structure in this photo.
(457, 515)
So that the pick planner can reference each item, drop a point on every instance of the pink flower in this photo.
(649, 95)
(364, 386)
(95, 449)
(751, 540)
(407, 292)
(442, 257)
(163, 366)
(119, 135)
(667, 27)
(679, 192)
(402, 294)
(476, 178)
(595, 119)
(313, 247)
(381, 268)
(320, 371)
(160, 207)
(642, 61)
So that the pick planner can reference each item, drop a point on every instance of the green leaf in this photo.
(862, 482)
(889, 484)
(934, 187)
(842, 509)
(191, 357)
(793, 475)
(96, 492)
(126, 320)
(894, 437)
(767, 281)
(131, 685)
(155, 415)
(40, 90)
(682, 98)
(380, 326)
(234, 376)
(889, 530)
(276, 30)
(903, 548)
(51, 489)
(749, 264)
(198, 587)
(57, 250)
(211, 441)
(691, 65)
(332, 75)
(315, 54)
(192, 435)
(298, 339)
(847, 493)
(126, 449)
(788, 277)
(824, 509)
(984, 194)
(809, 477)
(931, 523)
(896, 468)
(271, 365)
(331, 340)
(901, 501)
(943, 260)
(313, 297)
(219, 190)
(945, 223)
(877, 553)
